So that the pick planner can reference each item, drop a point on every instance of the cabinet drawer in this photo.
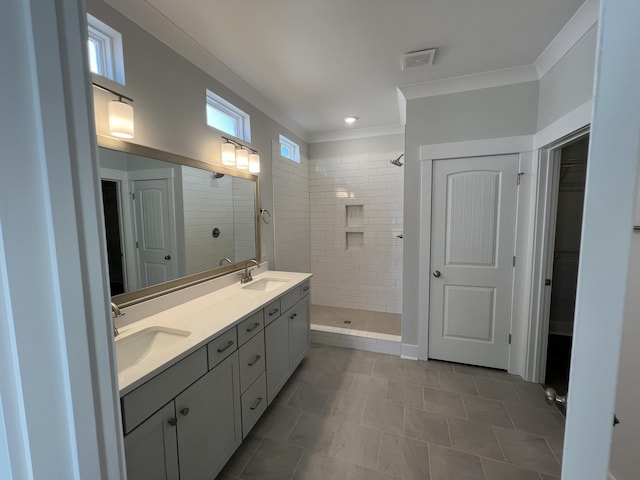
(290, 298)
(150, 396)
(251, 361)
(271, 312)
(305, 288)
(254, 403)
(222, 347)
(250, 326)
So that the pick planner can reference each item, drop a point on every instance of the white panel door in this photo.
(156, 255)
(472, 245)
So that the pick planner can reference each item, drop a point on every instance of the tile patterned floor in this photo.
(350, 415)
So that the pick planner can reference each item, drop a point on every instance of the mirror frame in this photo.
(147, 293)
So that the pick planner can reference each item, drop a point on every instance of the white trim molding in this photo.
(465, 83)
(410, 351)
(577, 118)
(584, 18)
(476, 148)
(355, 133)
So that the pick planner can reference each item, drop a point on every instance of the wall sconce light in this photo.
(243, 157)
(120, 114)
(228, 153)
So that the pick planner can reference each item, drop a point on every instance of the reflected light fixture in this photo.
(350, 120)
(228, 153)
(243, 157)
(120, 115)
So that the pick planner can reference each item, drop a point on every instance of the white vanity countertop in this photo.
(205, 317)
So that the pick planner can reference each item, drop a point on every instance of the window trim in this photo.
(241, 118)
(109, 40)
(293, 146)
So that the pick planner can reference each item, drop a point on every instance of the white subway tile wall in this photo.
(370, 277)
(291, 213)
(202, 213)
(244, 205)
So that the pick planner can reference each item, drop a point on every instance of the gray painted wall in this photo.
(169, 104)
(569, 83)
(481, 114)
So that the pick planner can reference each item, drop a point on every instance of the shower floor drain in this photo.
(347, 321)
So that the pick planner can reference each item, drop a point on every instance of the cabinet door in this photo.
(209, 421)
(151, 450)
(276, 338)
(299, 331)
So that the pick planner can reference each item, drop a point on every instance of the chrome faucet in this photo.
(247, 274)
(116, 313)
(221, 262)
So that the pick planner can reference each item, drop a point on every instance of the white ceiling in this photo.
(318, 61)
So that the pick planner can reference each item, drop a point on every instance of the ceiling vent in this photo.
(420, 58)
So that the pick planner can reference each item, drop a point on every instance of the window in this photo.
(227, 117)
(105, 50)
(289, 149)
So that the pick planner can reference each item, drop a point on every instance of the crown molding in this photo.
(150, 19)
(354, 133)
(577, 26)
(466, 83)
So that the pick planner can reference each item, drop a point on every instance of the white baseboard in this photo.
(410, 351)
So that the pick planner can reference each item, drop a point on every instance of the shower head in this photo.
(397, 161)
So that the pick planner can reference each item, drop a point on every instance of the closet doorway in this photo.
(569, 166)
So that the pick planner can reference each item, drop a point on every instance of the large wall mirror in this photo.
(172, 221)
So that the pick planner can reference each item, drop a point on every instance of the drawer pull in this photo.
(251, 329)
(293, 316)
(305, 289)
(173, 421)
(228, 345)
(256, 403)
(185, 411)
(254, 361)
(274, 311)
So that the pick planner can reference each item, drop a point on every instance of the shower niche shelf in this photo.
(355, 215)
(354, 241)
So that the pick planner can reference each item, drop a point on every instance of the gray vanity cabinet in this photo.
(198, 430)
(287, 339)
(151, 448)
(209, 422)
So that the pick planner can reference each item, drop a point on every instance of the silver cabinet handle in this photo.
(305, 289)
(254, 361)
(256, 403)
(227, 346)
(274, 311)
(251, 329)
(185, 411)
(437, 273)
(173, 421)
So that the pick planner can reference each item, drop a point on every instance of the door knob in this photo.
(552, 397)
(437, 273)
(167, 257)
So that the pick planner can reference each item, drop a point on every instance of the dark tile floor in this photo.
(347, 414)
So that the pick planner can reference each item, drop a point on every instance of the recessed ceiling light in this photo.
(350, 120)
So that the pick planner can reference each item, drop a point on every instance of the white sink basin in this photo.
(265, 284)
(134, 348)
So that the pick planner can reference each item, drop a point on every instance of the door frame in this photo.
(156, 174)
(125, 217)
(543, 248)
(520, 146)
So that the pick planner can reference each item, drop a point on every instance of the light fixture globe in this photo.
(254, 163)
(228, 154)
(242, 158)
(120, 119)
